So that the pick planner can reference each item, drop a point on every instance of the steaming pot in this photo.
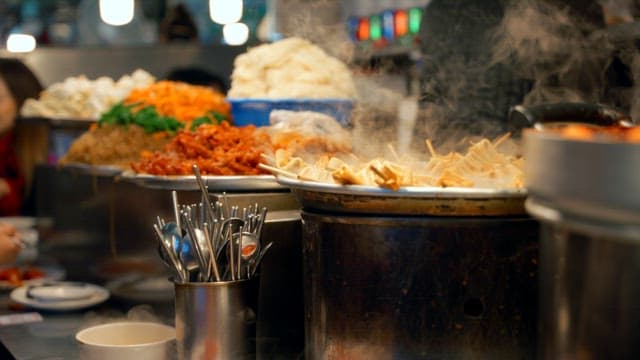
(382, 281)
(587, 195)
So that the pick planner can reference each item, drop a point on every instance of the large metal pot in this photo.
(419, 287)
(382, 281)
(587, 195)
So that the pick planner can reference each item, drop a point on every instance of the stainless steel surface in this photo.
(407, 201)
(589, 289)
(95, 170)
(586, 194)
(589, 179)
(61, 123)
(420, 287)
(54, 337)
(216, 320)
(214, 183)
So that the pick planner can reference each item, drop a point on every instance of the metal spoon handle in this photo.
(205, 193)
(179, 269)
(259, 259)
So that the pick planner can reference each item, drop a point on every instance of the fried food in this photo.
(482, 166)
(113, 145)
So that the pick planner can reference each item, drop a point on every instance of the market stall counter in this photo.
(99, 229)
(51, 335)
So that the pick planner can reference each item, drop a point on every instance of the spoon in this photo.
(196, 247)
(182, 249)
(168, 262)
(205, 193)
(166, 242)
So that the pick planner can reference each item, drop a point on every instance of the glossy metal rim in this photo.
(411, 192)
(214, 183)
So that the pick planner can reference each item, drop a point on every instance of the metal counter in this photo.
(54, 337)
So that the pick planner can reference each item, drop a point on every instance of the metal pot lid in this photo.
(592, 179)
(412, 201)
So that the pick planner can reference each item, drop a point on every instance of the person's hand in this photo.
(4, 187)
(10, 244)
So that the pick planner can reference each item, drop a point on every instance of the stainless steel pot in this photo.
(399, 287)
(413, 274)
(587, 195)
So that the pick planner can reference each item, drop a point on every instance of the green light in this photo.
(375, 27)
(415, 18)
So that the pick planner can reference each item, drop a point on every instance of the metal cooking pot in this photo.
(587, 196)
(414, 274)
(398, 287)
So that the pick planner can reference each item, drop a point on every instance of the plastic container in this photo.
(256, 111)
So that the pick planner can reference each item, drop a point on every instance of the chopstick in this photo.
(278, 170)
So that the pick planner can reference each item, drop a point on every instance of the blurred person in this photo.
(178, 25)
(9, 244)
(22, 145)
(198, 76)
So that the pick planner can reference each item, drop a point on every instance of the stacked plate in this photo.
(60, 295)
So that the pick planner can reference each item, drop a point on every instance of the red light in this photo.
(363, 29)
(401, 23)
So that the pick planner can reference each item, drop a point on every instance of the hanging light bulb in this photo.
(116, 12)
(235, 34)
(225, 11)
(21, 43)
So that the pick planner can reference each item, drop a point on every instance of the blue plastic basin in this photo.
(256, 111)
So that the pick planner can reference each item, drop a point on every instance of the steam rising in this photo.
(322, 23)
(143, 313)
(563, 55)
(478, 60)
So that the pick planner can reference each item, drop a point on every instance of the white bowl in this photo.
(127, 341)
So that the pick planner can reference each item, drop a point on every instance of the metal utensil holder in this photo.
(216, 320)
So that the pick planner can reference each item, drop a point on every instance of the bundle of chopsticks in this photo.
(211, 241)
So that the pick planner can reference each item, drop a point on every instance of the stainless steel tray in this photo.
(214, 183)
(96, 170)
(406, 201)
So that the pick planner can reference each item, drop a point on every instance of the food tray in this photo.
(411, 201)
(96, 170)
(59, 122)
(214, 183)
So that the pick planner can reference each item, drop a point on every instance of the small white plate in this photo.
(60, 291)
(142, 289)
(98, 295)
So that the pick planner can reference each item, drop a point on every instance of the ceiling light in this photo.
(235, 34)
(225, 11)
(116, 12)
(20, 43)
